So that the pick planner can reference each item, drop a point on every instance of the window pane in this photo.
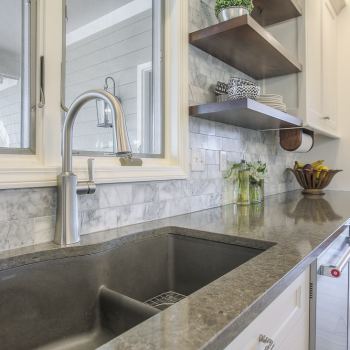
(110, 44)
(10, 73)
(17, 69)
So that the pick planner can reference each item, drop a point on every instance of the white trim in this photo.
(331, 8)
(141, 70)
(119, 15)
(19, 171)
(338, 5)
(323, 131)
(46, 177)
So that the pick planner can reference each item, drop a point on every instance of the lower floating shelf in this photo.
(246, 113)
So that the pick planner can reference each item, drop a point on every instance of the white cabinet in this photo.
(311, 94)
(319, 90)
(285, 321)
(329, 65)
(312, 72)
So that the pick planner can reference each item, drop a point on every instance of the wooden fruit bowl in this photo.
(314, 181)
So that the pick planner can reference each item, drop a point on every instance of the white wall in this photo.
(336, 153)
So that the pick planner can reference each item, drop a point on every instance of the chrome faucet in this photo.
(67, 224)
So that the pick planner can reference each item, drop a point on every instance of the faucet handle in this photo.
(89, 186)
(91, 169)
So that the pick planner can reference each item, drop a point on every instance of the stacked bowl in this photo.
(239, 88)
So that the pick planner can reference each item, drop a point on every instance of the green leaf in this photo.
(222, 4)
(257, 171)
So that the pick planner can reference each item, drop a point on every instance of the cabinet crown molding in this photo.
(338, 5)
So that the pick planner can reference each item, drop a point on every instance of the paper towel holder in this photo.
(291, 139)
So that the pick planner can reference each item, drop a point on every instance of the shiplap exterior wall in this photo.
(115, 52)
(10, 113)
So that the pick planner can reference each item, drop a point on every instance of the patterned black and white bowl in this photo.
(244, 91)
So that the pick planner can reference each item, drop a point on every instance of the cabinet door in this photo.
(329, 66)
(313, 61)
(285, 321)
(298, 337)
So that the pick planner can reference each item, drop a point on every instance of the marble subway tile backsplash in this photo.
(27, 216)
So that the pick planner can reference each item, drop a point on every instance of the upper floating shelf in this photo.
(244, 44)
(246, 113)
(267, 12)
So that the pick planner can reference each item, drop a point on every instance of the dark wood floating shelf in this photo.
(244, 44)
(267, 12)
(246, 113)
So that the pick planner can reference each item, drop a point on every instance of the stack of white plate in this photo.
(272, 100)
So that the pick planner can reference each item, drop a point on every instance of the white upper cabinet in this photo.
(313, 63)
(312, 94)
(329, 66)
(319, 82)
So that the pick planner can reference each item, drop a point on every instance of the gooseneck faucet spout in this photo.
(67, 224)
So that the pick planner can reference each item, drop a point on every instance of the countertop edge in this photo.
(242, 321)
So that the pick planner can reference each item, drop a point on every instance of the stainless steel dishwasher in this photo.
(329, 297)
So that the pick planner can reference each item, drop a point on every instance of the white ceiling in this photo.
(81, 12)
(10, 25)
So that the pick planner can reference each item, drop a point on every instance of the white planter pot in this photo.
(232, 12)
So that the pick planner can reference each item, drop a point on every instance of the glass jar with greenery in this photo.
(258, 172)
(248, 181)
(239, 174)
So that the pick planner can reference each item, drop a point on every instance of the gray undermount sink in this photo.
(84, 301)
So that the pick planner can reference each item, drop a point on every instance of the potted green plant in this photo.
(228, 9)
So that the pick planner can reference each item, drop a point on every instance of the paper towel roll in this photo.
(307, 142)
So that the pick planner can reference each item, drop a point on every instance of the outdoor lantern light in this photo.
(104, 113)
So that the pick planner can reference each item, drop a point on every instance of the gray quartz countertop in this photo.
(299, 228)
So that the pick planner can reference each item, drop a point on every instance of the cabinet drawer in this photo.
(285, 319)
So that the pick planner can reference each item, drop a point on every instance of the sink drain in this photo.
(164, 300)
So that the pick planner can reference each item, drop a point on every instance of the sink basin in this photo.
(84, 301)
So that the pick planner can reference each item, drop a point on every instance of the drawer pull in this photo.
(270, 344)
(335, 271)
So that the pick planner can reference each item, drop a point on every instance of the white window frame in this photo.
(41, 169)
(143, 70)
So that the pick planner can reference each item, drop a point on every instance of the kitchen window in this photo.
(165, 156)
(106, 45)
(17, 76)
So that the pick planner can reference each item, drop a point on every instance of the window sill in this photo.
(39, 176)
